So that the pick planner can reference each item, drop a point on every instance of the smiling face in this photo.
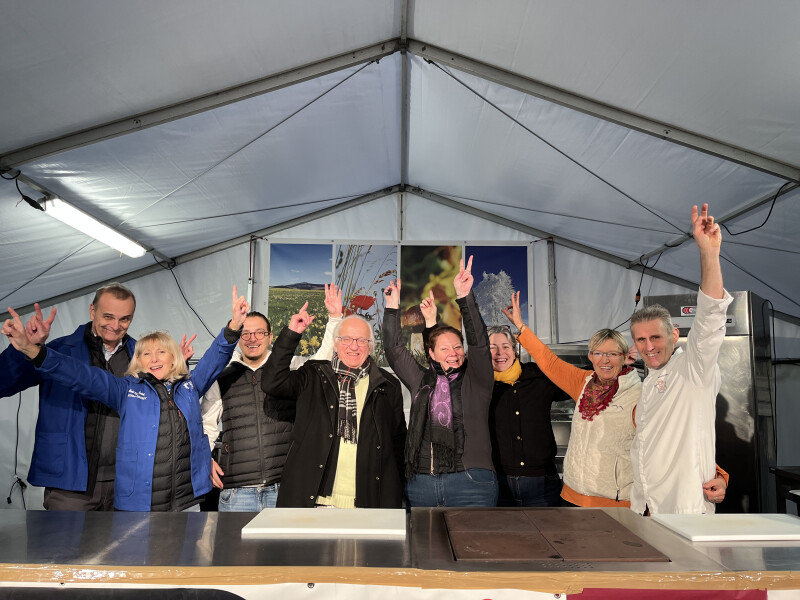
(111, 318)
(254, 349)
(654, 342)
(448, 351)
(607, 367)
(157, 361)
(353, 354)
(503, 353)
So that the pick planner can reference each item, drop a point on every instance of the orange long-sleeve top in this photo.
(571, 379)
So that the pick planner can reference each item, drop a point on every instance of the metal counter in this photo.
(206, 547)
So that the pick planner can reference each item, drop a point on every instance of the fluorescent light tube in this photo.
(66, 213)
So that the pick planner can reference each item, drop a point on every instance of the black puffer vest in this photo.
(256, 429)
(172, 469)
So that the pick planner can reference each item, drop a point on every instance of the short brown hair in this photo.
(439, 330)
(116, 289)
(165, 340)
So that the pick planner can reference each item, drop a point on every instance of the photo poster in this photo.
(498, 272)
(424, 269)
(362, 273)
(298, 273)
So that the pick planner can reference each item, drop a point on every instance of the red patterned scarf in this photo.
(597, 394)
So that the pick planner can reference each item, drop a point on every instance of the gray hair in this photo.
(359, 318)
(502, 330)
(608, 334)
(505, 332)
(654, 312)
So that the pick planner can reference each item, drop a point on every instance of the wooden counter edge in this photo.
(548, 582)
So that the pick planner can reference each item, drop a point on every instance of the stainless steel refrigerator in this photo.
(745, 426)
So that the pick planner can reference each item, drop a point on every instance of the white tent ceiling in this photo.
(191, 124)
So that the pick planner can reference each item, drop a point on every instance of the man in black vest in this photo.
(256, 428)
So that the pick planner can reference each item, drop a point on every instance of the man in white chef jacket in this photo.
(673, 450)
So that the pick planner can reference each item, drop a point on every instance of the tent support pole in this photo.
(552, 285)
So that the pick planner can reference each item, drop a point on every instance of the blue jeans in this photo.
(248, 499)
(473, 487)
(530, 491)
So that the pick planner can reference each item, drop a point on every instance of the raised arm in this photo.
(333, 302)
(219, 353)
(568, 377)
(278, 378)
(91, 382)
(708, 236)
(480, 357)
(402, 362)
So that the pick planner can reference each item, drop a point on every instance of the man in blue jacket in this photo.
(76, 439)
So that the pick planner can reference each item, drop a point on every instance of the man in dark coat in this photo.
(350, 430)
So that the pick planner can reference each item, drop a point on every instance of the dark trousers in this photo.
(529, 491)
(101, 497)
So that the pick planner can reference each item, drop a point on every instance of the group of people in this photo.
(123, 424)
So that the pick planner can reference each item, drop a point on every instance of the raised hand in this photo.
(463, 281)
(333, 301)
(14, 330)
(300, 322)
(240, 309)
(706, 232)
(392, 294)
(513, 313)
(38, 328)
(186, 347)
(429, 311)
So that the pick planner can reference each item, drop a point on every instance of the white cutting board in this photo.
(377, 523)
(733, 528)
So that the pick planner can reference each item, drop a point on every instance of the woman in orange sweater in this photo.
(597, 466)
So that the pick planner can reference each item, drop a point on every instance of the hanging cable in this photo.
(778, 193)
(185, 299)
(18, 482)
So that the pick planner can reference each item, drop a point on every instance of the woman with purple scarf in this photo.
(448, 452)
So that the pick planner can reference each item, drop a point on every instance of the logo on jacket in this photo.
(137, 395)
(661, 385)
(188, 385)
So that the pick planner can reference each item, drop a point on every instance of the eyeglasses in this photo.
(599, 355)
(259, 335)
(347, 340)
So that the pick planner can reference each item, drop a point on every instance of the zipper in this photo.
(174, 465)
(256, 389)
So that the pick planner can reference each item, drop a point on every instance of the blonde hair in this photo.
(165, 342)
(608, 334)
